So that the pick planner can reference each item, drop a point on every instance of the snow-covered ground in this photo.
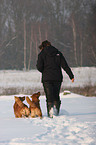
(25, 82)
(76, 124)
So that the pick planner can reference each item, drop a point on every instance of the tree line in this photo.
(69, 25)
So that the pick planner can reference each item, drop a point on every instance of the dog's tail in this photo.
(30, 102)
(18, 101)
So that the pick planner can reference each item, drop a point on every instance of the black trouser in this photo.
(52, 90)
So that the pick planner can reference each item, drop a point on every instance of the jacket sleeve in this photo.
(66, 68)
(40, 63)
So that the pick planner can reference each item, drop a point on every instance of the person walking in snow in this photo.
(49, 63)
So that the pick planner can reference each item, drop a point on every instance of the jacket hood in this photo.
(50, 50)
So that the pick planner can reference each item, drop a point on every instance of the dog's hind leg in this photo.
(38, 112)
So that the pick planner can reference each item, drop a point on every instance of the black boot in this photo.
(56, 107)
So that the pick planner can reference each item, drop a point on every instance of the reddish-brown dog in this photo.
(34, 105)
(20, 109)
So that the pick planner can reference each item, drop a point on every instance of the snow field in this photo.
(76, 124)
(24, 82)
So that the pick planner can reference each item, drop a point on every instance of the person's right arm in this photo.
(66, 68)
(40, 63)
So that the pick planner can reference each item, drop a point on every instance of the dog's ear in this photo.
(16, 98)
(39, 93)
(22, 98)
(35, 95)
(31, 96)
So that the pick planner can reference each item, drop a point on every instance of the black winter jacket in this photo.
(49, 63)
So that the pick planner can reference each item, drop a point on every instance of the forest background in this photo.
(69, 25)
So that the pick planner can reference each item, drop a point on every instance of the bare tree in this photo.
(36, 44)
(24, 44)
(74, 39)
(81, 48)
(30, 48)
(40, 37)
